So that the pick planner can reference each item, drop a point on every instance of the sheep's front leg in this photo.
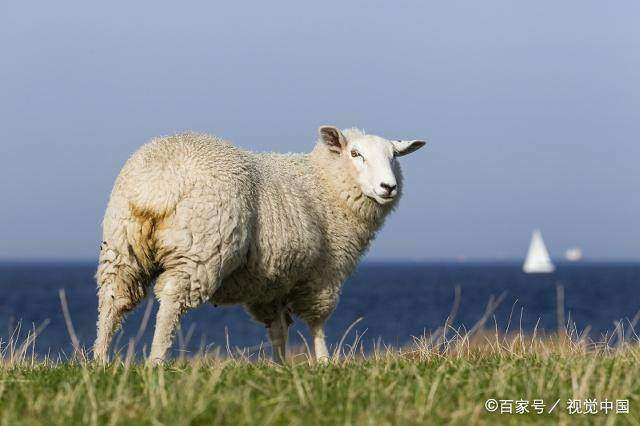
(278, 335)
(319, 343)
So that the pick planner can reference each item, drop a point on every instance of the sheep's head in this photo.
(372, 160)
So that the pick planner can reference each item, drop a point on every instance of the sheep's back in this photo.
(165, 170)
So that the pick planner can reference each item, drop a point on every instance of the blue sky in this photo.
(532, 110)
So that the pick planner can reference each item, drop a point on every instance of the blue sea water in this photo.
(395, 301)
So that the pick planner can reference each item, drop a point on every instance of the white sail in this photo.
(574, 254)
(538, 261)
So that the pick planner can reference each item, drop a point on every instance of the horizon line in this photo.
(370, 260)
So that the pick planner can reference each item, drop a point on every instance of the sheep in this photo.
(209, 222)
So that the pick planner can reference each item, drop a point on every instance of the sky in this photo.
(531, 110)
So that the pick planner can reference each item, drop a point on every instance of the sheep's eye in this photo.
(355, 153)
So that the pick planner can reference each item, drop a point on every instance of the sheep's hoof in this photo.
(155, 361)
(322, 360)
(101, 361)
(100, 357)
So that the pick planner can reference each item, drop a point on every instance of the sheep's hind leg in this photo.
(171, 290)
(199, 245)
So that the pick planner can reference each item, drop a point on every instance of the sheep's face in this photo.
(371, 159)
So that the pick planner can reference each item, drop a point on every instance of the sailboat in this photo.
(574, 254)
(537, 261)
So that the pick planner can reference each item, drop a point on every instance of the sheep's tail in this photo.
(125, 270)
(127, 260)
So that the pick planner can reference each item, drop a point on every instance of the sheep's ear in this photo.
(401, 148)
(333, 138)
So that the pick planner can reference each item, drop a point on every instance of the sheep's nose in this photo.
(388, 187)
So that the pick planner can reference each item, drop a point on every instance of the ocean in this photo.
(394, 301)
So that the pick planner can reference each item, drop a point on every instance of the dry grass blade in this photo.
(67, 320)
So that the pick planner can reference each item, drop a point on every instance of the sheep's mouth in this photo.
(383, 199)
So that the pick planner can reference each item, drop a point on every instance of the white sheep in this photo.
(278, 233)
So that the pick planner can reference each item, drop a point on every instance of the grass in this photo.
(436, 381)
(442, 378)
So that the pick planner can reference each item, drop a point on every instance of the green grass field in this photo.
(437, 381)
